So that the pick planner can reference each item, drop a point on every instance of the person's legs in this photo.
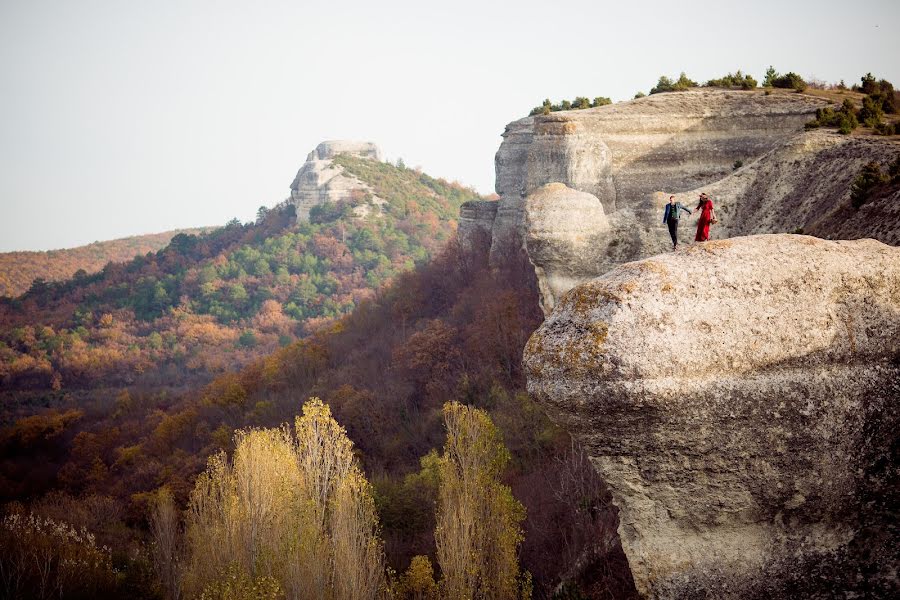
(673, 231)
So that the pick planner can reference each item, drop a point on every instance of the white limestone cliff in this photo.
(321, 180)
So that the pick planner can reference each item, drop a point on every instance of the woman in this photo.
(671, 216)
(707, 216)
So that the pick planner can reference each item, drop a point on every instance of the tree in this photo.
(164, 529)
(664, 84)
(295, 508)
(868, 178)
(417, 583)
(771, 74)
(479, 522)
(790, 81)
(581, 102)
(871, 112)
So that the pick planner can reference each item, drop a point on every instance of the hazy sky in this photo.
(123, 117)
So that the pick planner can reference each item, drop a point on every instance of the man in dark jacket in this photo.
(671, 216)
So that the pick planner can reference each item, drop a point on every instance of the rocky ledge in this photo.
(740, 399)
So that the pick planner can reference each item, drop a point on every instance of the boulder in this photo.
(565, 234)
(740, 399)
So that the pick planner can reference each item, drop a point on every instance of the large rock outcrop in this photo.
(804, 184)
(740, 399)
(632, 155)
(624, 152)
(564, 236)
(321, 180)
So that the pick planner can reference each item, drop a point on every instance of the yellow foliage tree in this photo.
(293, 508)
(479, 522)
(418, 581)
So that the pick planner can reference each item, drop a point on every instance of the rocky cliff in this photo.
(740, 399)
(632, 155)
(320, 180)
(738, 396)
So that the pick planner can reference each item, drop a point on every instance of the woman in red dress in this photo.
(705, 206)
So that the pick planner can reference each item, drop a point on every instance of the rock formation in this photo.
(476, 218)
(740, 399)
(632, 155)
(804, 184)
(567, 229)
(320, 180)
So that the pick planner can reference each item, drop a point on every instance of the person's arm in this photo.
(685, 208)
(666, 214)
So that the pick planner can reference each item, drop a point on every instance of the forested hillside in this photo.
(444, 332)
(210, 302)
(18, 270)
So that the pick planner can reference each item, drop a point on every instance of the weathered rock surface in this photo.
(624, 152)
(740, 399)
(474, 229)
(632, 155)
(320, 180)
(804, 184)
(565, 235)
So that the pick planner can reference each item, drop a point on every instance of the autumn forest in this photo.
(332, 408)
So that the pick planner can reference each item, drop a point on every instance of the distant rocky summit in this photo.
(632, 155)
(740, 399)
(320, 180)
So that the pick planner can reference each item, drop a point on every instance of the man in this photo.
(671, 216)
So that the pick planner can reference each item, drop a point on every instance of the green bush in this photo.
(881, 92)
(886, 129)
(868, 178)
(735, 80)
(844, 118)
(665, 84)
(790, 81)
(871, 112)
(247, 340)
(639, 95)
(771, 74)
(579, 103)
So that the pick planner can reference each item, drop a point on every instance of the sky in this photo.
(121, 117)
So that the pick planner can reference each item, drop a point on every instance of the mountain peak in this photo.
(331, 148)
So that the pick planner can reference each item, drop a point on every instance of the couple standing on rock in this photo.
(672, 215)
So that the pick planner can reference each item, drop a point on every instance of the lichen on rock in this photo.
(741, 403)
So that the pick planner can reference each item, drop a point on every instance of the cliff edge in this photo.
(740, 400)
(631, 156)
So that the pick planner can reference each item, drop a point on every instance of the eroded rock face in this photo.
(740, 399)
(476, 218)
(804, 184)
(320, 180)
(565, 234)
(624, 152)
(633, 155)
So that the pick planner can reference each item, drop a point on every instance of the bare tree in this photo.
(164, 528)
